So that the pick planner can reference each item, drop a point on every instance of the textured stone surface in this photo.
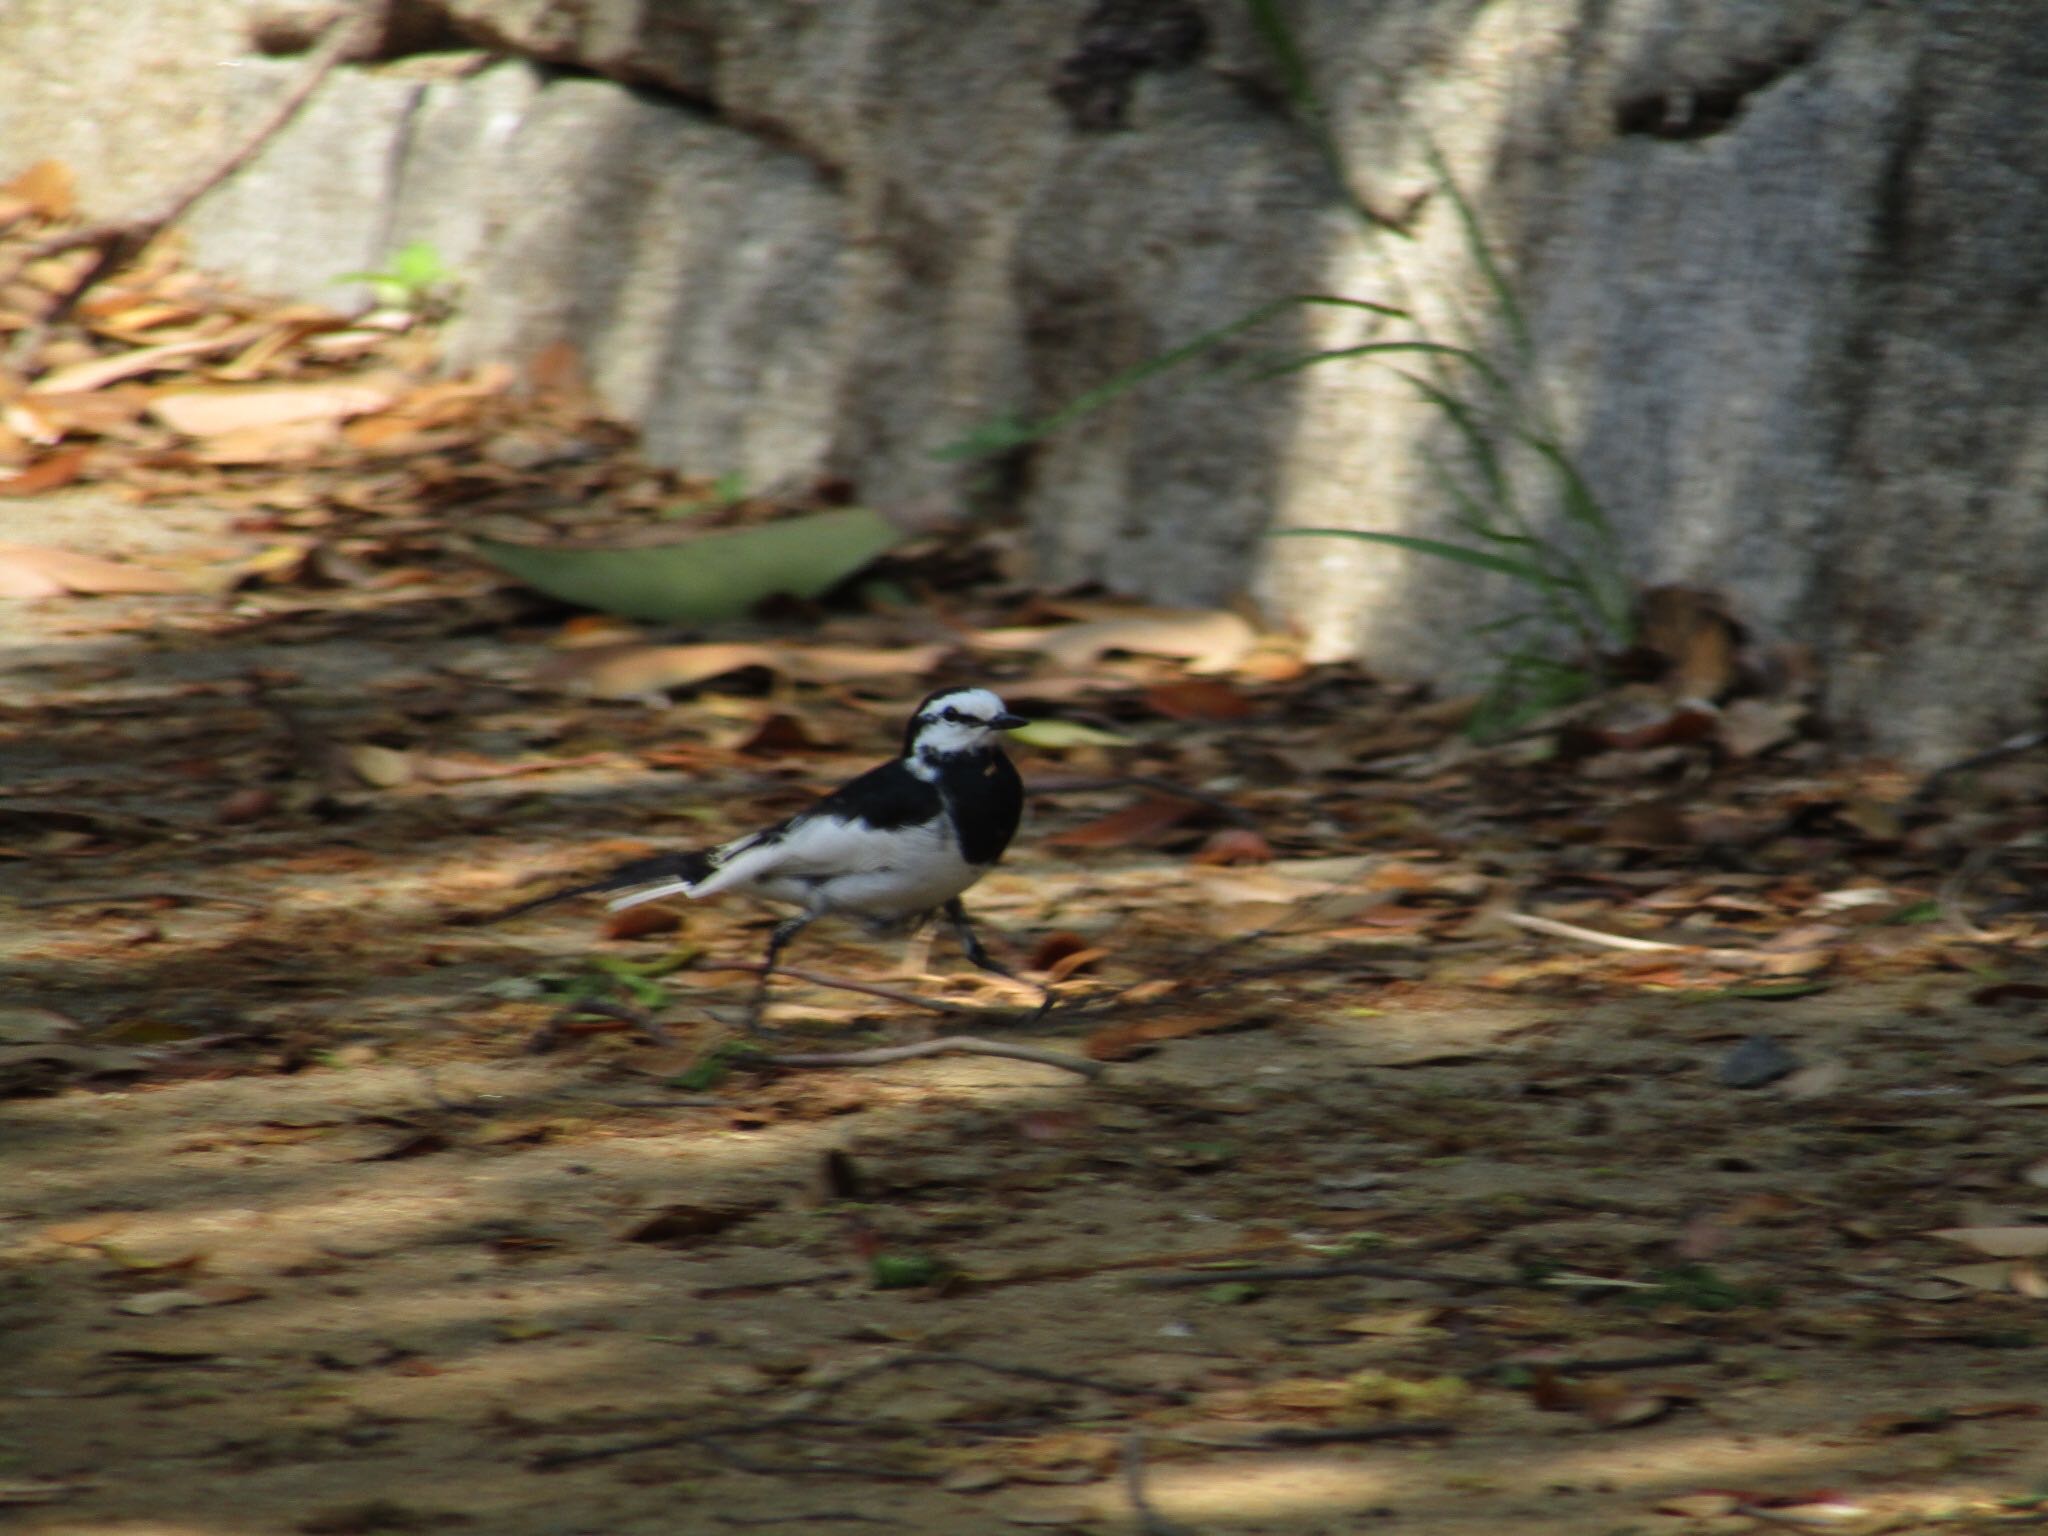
(1781, 263)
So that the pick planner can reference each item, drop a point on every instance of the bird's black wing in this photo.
(886, 797)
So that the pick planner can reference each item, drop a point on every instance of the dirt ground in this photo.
(300, 1231)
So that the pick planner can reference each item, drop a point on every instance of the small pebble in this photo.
(1758, 1060)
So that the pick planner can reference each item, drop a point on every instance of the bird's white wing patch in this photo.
(827, 864)
(820, 847)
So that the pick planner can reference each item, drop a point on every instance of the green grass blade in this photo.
(1466, 422)
(1338, 301)
(1601, 574)
(1004, 433)
(1463, 554)
(1375, 349)
(1481, 249)
(1307, 106)
(1471, 511)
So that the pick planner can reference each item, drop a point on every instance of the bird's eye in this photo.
(950, 714)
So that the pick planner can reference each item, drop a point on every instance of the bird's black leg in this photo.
(970, 942)
(778, 941)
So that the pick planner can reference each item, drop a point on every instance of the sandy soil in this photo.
(302, 1236)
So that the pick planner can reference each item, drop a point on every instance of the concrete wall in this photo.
(1781, 263)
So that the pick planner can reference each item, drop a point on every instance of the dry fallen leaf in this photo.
(86, 1230)
(1208, 639)
(81, 378)
(47, 187)
(47, 419)
(2000, 1242)
(211, 412)
(25, 1023)
(1979, 1277)
(186, 1298)
(1124, 1042)
(1072, 963)
(281, 442)
(1751, 727)
(1607, 1401)
(18, 1494)
(1198, 698)
(631, 670)
(684, 1223)
(1699, 1506)
(1139, 822)
(380, 767)
(29, 570)
(46, 473)
(1403, 1323)
(1695, 636)
(642, 921)
(1235, 845)
(775, 733)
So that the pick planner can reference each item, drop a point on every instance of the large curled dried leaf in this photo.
(1207, 639)
(214, 412)
(713, 577)
(631, 670)
(30, 570)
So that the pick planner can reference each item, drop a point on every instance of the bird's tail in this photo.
(667, 873)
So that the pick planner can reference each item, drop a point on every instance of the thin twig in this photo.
(966, 1045)
(2012, 746)
(256, 1034)
(1283, 925)
(1727, 959)
(1663, 1360)
(137, 898)
(1279, 1272)
(807, 1519)
(116, 244)
(843, 984)
(1041, 1274)
(743, 1287)
(1558, 930)
(710, 1439)
(688, 1101)
(1358, 1434)
(1150, 1521)
(1004, 1368)
(1289, 1436)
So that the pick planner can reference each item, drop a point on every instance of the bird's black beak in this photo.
(1008, 722)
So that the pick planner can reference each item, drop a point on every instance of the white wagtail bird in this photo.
(887, 849)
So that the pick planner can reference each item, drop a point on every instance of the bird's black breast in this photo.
(986, 797)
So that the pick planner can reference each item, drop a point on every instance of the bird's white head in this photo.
(957, 721)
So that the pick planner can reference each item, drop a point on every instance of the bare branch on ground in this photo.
(116, 244)
(966, 1045)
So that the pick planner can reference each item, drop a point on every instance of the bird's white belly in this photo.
(880, 896)
(880, 878)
